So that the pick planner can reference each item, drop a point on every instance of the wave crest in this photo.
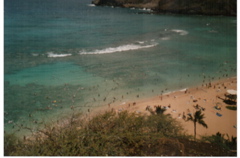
(91, 5)
(52, 55)
(181, 32)
(122, 48)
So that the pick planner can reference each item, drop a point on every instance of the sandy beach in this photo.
(182, 102)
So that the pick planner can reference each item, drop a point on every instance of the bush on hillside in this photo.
(222, 140)
(112, 134)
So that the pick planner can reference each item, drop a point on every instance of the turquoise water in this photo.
(65, 56)
(56, 74)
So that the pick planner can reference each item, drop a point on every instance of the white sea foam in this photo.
(167, 93)
(170, 92)
(183, 90)
(181, 32)
(119, 49)
(91, 5)
(213, 31)
(52, 55)
(35, 54)
(165, 38)
(146, 9)
(140, 42)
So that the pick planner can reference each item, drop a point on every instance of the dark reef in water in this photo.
(203, 7)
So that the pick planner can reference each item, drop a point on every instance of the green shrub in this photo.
(10, 143)
(231, 107)
(123, 134)
(220, 140)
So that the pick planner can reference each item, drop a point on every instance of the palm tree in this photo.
(197, 118)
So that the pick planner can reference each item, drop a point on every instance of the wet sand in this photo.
(183, 102)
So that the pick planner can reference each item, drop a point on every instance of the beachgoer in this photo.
(184, 116)
(148, 107)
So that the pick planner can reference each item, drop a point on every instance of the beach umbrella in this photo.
(232, 91)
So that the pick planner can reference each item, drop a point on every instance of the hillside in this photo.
(204, 7)
(118, 134)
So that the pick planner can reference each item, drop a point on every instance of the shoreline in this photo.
(170, 7)
(180, 101)
(183, 101)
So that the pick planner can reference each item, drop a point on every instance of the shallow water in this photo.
(69, 56)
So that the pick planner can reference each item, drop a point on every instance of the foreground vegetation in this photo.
(117, 134)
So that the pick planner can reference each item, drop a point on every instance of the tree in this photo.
(197, 118)
(159, 110)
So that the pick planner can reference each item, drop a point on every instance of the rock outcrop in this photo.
(204, 7)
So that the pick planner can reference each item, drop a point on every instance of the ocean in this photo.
(70, 56)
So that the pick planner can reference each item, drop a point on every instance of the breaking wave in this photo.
(52, 55)
(122, 48)
(181, 32)
(91, 5)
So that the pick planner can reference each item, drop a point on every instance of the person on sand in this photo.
(197, 106)
(184, 116)
(174, 110)
(179, 115)
(189, 112)
(203, 109)
(161, 97)
(148, 107)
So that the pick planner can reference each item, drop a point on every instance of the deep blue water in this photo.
(60, 54)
